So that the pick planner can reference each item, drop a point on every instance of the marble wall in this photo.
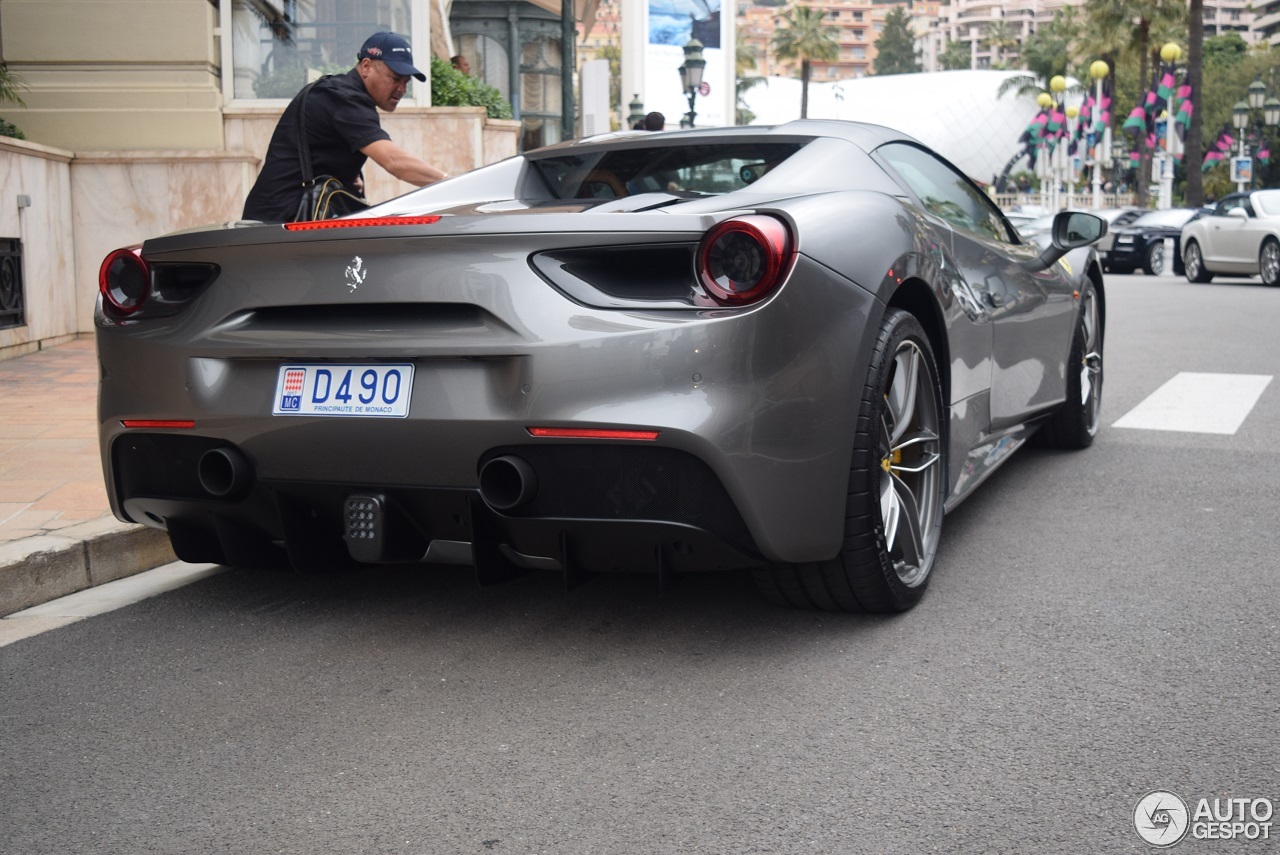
(86, 204)
(43, 176)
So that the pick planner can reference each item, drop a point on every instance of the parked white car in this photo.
(1241, 237)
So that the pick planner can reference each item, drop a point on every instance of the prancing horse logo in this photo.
(356, 273)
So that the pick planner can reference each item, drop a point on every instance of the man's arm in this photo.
(401, 164)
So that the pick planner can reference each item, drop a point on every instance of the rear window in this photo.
(693, 170)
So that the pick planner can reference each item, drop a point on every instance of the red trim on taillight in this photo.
(593, 433)
(114, 282)
(719, 260)
(316, 225)
(158, 423)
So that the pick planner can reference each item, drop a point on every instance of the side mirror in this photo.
(1238, 213)
(1071, 230)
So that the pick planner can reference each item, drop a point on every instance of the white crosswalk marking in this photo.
(1198, 403)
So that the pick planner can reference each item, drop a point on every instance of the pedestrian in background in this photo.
(460, 62)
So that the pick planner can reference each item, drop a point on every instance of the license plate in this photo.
(367, 391)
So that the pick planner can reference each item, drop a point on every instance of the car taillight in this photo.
(742, 260)
(124, 280)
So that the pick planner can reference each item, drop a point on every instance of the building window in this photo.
(859, 53)
(488, 60)
(278, 46)
(540, 92)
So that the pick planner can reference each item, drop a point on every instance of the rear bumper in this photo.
(594, 507)
(762, 403)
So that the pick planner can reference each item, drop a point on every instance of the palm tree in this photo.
(10, 84)
(1045, 55)
(744, 60)
(1194, 156)
(806, 38)
(999, 38)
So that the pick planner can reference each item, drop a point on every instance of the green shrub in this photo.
(451, 88)
(8, 129)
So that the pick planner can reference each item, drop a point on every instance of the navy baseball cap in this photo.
(394, 51)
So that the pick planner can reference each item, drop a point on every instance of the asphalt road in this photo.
(1102, 624)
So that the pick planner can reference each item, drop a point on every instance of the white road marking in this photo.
(101, 599)
(1198, 403)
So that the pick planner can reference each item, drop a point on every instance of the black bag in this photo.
(323, 196)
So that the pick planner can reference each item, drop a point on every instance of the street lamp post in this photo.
(637, 111)
(1240, 120)
(691, 75)
(1098, 71)
(1072, 113)
(1058, 159)
(1242, 112)
(1170, 53)
(1044, 100)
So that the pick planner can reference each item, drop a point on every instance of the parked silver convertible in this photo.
(788, 349)
(1239, 237)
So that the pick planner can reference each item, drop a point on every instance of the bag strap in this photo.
(304, 147)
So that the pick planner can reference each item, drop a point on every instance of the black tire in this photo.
(883, 567)
(1075, 423)
(1193, 264)
(1153, 259)
(1269, 262)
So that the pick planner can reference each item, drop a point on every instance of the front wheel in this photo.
(1193, 263)
(897, 482)
(1269, 262)
(1075, 424)
(1153, 262)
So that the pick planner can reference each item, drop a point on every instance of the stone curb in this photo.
(43, 568)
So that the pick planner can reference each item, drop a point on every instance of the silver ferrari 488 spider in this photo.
(789, 350)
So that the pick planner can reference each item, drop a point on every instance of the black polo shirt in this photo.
(341, 120)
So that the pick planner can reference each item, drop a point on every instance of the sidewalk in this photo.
(57, 533)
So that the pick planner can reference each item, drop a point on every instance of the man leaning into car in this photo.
(343, 130)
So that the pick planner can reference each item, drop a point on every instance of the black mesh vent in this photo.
(160, 465)
(582, 481)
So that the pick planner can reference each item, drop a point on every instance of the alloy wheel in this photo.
(910, 450)
(1191, 261)
(1269, 263)
(1091, 363)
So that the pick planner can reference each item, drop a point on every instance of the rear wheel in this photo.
(1075, 423)
(1153, 260)
(897, 479)
(1193, 262)
(1269, 262)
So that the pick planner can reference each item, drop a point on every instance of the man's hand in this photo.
(403, 165)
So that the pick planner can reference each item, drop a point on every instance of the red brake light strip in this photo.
(316, 225)
(158, 423)
(593, 433)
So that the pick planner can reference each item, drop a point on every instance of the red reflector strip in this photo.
(593, 433)
(158, 423)
(315, 225)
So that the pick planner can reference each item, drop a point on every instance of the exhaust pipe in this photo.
(507, 482)
(224, 472)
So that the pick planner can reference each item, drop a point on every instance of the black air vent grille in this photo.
(13, 298)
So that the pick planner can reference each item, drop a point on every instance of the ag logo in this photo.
(356, 273)
(1161, 818)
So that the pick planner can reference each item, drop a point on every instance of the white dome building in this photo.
(957, 113)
